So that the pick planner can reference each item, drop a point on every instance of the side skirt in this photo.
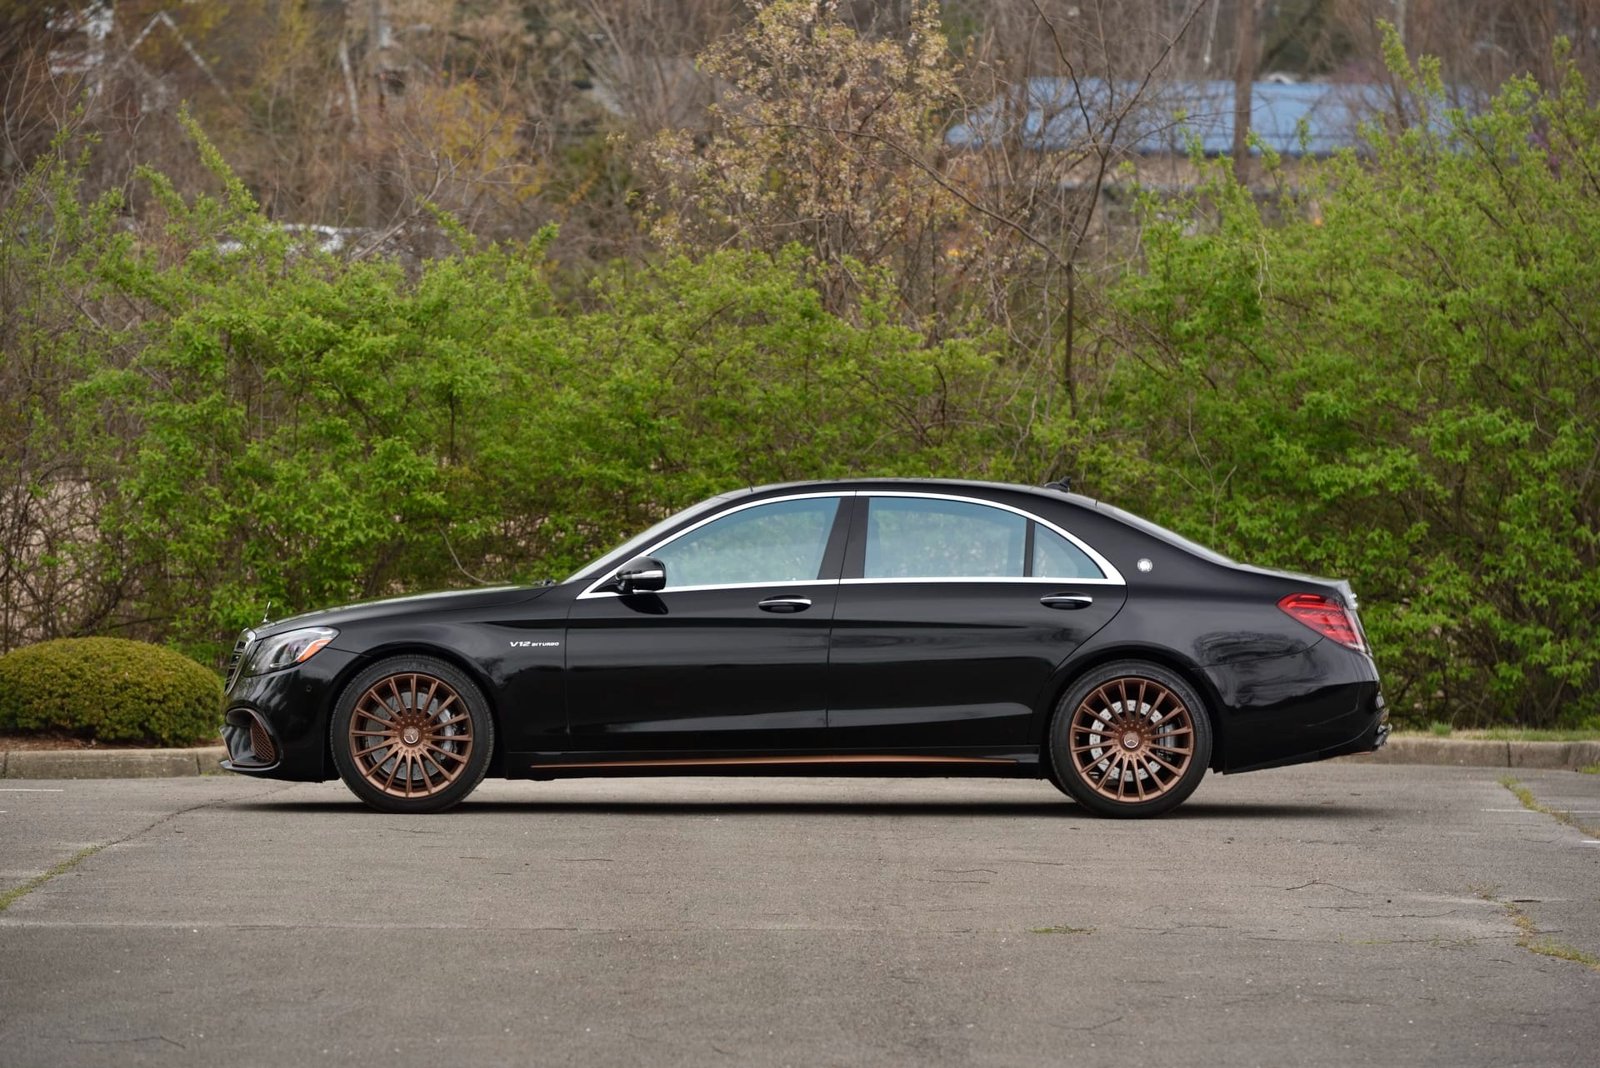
(1001, 763)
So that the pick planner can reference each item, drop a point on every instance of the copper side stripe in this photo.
(716, 762)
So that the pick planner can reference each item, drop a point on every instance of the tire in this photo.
(1130, 739)
(411, 734)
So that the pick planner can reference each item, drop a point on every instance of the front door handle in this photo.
(1066, 600)
(785, 604)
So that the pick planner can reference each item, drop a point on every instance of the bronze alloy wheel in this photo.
(410, 735)
(1130, 739)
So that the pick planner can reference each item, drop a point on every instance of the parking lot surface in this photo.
(1327, 915)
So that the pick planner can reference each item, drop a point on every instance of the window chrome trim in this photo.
(970, 579)
(729, 586)
(591, 591)
(1113, 577)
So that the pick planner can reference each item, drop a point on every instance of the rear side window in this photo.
(1056, 557)
(913, 537)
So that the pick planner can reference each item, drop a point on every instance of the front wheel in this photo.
(1130, 739)
(411, 734)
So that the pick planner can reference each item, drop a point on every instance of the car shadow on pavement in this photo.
(734, 808)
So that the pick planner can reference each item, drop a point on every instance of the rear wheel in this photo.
(412, 734)
(1130, 739)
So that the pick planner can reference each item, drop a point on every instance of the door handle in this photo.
(1066, 600)
(785, 604)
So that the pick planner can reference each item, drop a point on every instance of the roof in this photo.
(1304, 119)
(889, 483)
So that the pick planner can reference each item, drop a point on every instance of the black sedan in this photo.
(873, 627)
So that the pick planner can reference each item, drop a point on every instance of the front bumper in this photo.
(276, 725)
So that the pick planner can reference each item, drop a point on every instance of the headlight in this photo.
(287, 649)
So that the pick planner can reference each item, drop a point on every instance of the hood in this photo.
(450, 600)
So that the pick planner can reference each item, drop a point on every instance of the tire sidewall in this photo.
(477, 707)
(1067, 776)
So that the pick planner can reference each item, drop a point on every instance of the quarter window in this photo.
(1056, 557)
(779, 542)
(914, 537)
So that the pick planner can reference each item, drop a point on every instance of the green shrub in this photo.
(109, 689)
(1395, 382)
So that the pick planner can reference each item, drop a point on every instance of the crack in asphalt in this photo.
(1529, 935)
(17, 893)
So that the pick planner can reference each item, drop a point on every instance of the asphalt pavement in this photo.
(1334, 914)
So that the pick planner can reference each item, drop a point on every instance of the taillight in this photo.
(1326, 616)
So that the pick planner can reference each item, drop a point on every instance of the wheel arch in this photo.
(412, 648)
(1074, 669)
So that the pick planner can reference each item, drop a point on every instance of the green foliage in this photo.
(281, 426)
(1389, 374)
(692, 377)
(306, 427)
(111, 690)
(1399, 382)
(51, 561)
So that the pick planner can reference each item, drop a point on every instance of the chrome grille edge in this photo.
(241, 648)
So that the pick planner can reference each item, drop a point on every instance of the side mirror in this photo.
(643, 575)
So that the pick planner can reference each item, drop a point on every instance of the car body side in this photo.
(1279, 692)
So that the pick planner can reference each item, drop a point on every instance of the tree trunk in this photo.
(1244, 76)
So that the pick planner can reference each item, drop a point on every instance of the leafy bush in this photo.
(109, 689)
(1398, 382)
(278, 425)
(1390, 375)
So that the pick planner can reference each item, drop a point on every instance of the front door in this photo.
(731, 654)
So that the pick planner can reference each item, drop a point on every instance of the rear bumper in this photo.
(1369, 742)
(1322, 703)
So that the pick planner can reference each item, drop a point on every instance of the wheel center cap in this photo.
(1130, 739)
(411, 736)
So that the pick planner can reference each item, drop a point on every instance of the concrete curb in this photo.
(169, 763)
(1466, 752)
(109, 763)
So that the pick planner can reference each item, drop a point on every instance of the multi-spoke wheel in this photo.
(1130, 739)
(411, 734)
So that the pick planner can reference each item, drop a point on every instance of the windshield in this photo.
(631, 548)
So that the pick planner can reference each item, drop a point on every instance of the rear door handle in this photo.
(785, 604)
(1066, 600)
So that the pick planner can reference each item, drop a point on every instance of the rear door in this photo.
(952, 615)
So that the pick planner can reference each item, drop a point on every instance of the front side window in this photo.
(768, 543)
(913, 537)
